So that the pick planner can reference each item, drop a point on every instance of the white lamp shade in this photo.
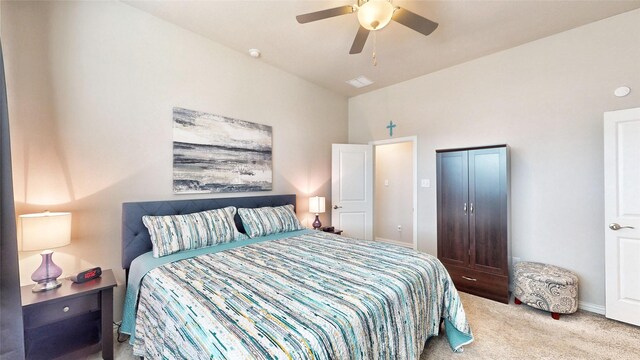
(44, 230)
(316, 204)
(375, 14)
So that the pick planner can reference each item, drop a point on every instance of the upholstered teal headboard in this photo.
(135, 237)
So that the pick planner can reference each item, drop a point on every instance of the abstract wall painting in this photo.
(216, 154)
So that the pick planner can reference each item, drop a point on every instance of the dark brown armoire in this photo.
(473, 219)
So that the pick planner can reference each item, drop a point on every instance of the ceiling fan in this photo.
(373, 15)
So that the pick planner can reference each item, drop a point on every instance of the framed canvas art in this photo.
(213, 153)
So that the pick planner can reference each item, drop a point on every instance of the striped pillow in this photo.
(269, 220)
(172, 233)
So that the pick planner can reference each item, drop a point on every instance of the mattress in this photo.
(303, 295)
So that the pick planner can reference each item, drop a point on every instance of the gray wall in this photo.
(546, 100)
(91, 89)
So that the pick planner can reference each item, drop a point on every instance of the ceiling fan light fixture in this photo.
(375, 14)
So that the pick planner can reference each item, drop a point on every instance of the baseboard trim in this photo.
(598, 309)
(394, 242)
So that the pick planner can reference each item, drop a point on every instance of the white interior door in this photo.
(622, 214)
(352, 190)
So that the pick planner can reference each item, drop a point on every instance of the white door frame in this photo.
(414, 144)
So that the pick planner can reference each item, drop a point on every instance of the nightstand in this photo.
(71, 321)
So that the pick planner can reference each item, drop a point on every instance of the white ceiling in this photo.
(319, 51)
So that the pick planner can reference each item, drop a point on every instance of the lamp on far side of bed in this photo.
(316, 205)
(43, 231)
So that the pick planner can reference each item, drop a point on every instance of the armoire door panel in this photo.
(487, 194)
(453, 224)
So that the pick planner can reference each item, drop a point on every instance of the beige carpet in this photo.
(520, 332)
(512, 331)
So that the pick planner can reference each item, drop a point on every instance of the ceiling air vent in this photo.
(359, 82)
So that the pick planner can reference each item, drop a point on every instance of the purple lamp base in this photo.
(317, 224)
(47, 274)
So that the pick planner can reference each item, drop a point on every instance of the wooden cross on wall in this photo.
(390, 127)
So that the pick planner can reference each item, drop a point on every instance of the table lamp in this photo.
(43, 231)
(316, 205)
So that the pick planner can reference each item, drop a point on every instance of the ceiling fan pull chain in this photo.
(374, 58)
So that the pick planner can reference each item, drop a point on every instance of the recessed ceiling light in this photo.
(622, 91)
(255, 53)
(359, 82)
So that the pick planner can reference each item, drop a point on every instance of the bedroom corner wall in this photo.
(91, 87)
(546, 100)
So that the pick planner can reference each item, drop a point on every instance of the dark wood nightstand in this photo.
(69, 322)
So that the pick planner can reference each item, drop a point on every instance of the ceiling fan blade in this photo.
(414, 21)
(359, 41)
(324, 14)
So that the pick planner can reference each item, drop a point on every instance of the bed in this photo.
(301, 294)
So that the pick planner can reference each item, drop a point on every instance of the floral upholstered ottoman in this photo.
(546, 287)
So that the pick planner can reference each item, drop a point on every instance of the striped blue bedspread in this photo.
(311, 296)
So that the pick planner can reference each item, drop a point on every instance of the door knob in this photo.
(614, 226)
(336, 207)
